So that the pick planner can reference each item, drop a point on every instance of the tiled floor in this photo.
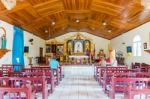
(78, 84)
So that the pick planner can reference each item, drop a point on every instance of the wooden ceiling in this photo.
(104, 18)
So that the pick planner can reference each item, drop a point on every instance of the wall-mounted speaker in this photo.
(31, 40)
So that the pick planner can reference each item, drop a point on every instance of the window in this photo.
(137, 45)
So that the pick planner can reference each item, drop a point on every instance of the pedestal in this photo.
(30, 60)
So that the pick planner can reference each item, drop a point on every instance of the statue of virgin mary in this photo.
(78, 48)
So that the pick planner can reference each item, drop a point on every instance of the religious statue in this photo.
(2, 38)
(3, 42)
(87, 46)
(101, 53)
(78, 47)
(87, 52)
(69, 48)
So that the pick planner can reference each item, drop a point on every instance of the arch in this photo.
(137, 45)
(4, 31)
(137, 38)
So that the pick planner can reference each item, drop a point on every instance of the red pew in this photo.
(113, 73)
(12, 93)
(48, 75)
(37, 84)
(120, 85)
(46, 69)
(138, 86)
(108, 69)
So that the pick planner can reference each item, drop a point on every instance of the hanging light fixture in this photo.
(46, 31)
(104, 23)
(53, 22)
(77, 20)
(9, 4)
(109, 31)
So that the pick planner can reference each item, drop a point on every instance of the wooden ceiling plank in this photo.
(77, 11)
(20, 7)
(49, 2)
(105, 10)
(37, 15)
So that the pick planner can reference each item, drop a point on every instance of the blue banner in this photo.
(18, 49)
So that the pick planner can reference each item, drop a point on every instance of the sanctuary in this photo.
(76, 49)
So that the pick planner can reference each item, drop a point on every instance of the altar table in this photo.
(79, 59)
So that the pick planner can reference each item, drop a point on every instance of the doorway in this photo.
(41, 58)
(41, 52)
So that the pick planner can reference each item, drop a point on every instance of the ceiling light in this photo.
(53, 23)
(93, 28)
(109, 31)
(46, 31)
(77, 20)
(104, 23)
(9, 4)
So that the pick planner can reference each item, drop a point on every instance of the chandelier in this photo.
(9, 4)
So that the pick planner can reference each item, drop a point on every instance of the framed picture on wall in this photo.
(129, 49)
(145, 45)
(26, 49)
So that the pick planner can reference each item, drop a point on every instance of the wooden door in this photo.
(41, 52)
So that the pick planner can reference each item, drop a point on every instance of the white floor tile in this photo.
(78, 84)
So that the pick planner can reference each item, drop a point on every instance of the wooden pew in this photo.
(97, 72)
(60, 72)
(144, 68)
(37, 84)
(102, 70)
(6, 68)
(135, 65)
(138, 86)
(12, 93)
(1, 72)
(114, 73)
(120, 84)
(141, 67)
(46, 69)
(48, 77)
(96, 66)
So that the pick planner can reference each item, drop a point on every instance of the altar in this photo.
(82, 59)
(78, 49)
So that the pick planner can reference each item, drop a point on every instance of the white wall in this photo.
(98, 41)
(33, 49)
(143, 31)
(7, 59)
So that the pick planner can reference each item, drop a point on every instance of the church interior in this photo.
(102, 48)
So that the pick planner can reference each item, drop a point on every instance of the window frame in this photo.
(137, 43)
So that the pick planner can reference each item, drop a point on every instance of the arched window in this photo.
(137, 45)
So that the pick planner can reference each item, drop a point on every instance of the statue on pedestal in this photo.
(101, 54)
(3, 37)
(78, 47)
(3, 42)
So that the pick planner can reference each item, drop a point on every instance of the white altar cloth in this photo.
(79, 57)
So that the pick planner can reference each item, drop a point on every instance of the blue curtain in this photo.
(18, 49)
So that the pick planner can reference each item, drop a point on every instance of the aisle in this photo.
(78, 84)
